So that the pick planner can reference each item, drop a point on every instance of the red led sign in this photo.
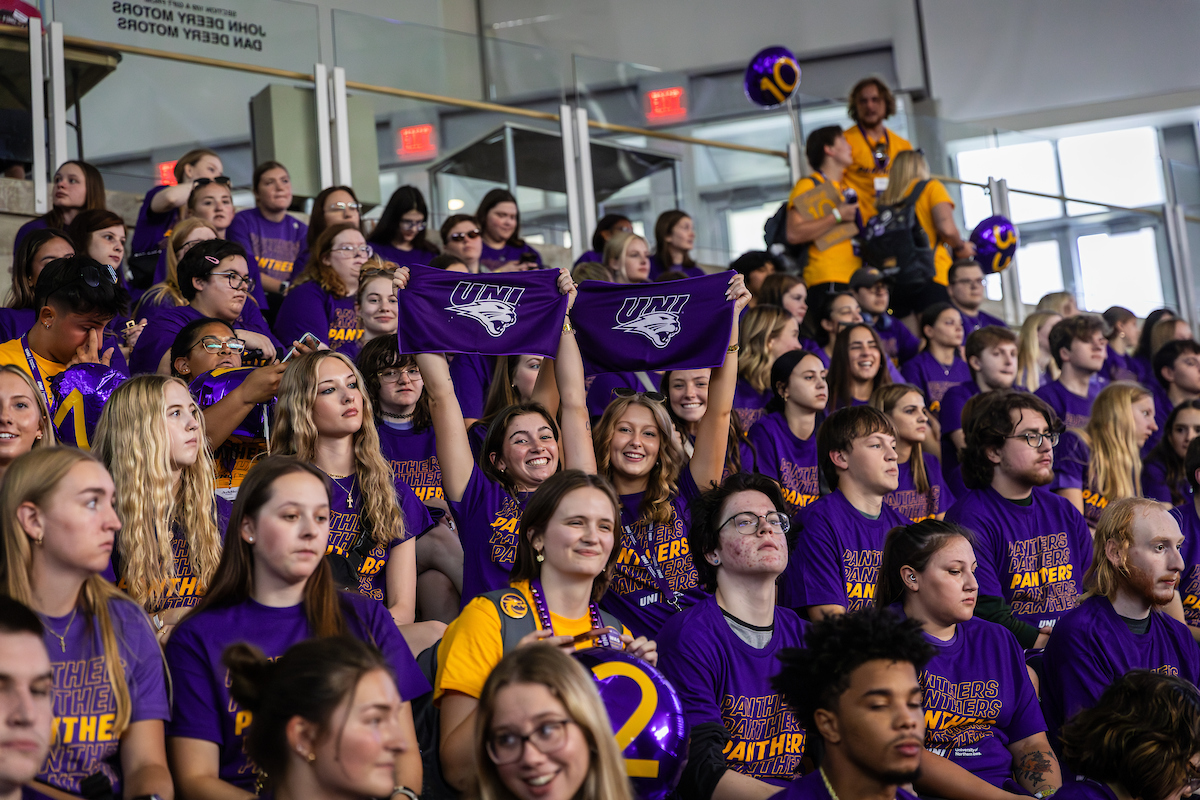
(416, 143)
(666, 105)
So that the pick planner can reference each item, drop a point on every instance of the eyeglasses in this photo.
(343, 207)
(1034, 439)
(92, 274)
(350, 249)
(214, 344)
(746, 522)
(393, 375)
(653, 397)
(548, 737)
(236, 280)
(221, 179)
(413, 225)
(462, 236)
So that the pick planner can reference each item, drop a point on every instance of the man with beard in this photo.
(1032, 545)
(1136, 565)
(872, 146)
(854, 689)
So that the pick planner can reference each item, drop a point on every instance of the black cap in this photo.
(866, 277)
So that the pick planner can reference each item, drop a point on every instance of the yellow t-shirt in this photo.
(472, 647)
(862, 173)
(934, 193)
(835, 264)
(11, 352)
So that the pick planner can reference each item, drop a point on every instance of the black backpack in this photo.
(425, 715)
(894, 242)
(795, 256)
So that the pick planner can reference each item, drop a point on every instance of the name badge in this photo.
(881, 185)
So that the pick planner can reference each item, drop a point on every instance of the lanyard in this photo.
(880, 156)
(543, 613)
(34, 372)
(833, 184)
(665, 592)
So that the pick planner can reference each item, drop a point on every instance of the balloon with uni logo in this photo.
(211, 387)
(647, 719)
(771, 77)
(995, 241)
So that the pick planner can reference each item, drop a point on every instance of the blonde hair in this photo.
(47, 428)
(1029, 374)
(1115, 465)
(134, 443)
(590, 271)
(169, 288)
(1116, 525)
(1163, 332)
(1056, 302)
(886, 398)
(616, 250)
(295, 434)
(664, 475)
(906, 167)
(759, 326)
(33, 478)
(572, 686)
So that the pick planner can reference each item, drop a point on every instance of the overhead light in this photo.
(454, 204)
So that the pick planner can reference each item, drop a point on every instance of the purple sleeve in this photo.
(253, 320)
(239, 232)
(1070, 463)
(950, 415)
(416, 516)
(151, 225)
(409, 679)
(933, 470)
(687, 667)
(820, 573)
(1154, 482)
(155, 340)
(907, 343)
(912, 374)
(197, 702)
(303, 311)
(1077, 671)
(145, 671)
(472, 376)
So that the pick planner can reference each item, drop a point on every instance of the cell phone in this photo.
(308, 340)
(528, 258)
(595, 633)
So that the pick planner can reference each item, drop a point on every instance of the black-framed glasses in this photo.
(548, 737)
(412, 225)
(215, 344)
(653, 397)
(462, 236)
(350, 249)
(394, 374)
(236, 280)
(746, 522)
(343, 207)
(1034, 439)
(92, 274)
(223, 180)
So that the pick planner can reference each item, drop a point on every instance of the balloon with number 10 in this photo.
(771, 77)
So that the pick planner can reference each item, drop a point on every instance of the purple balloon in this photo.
(212, 387)
(771, 77)
(80, 393)
(647, 718)
(995, 241)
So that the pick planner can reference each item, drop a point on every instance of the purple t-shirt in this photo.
(35, 224)
(488, 517)
(308, 308)
(950, 417)
(157, 339)
(413, 456)
(722, 680)
(812, 787)
(749, 403)
(633, 596)
(1071, 472)
(344, 529)
(1118, 367)
(16, 322)
(657, 267)
(1073, 410)
(272, 247)
(787, 459)
(403, 258)
(1091, 647)
(202, 705)
(491, 258)
(146, 244)
(835, 560)
(933, 378)
(85, 708)
(472, 377)
(1189, 580)
(911, 503)
(1033, 556)
(1085, 790)
(982, 320)
(601, 389)
(979, 700)
(899, 343)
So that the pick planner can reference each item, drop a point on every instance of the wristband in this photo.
(837, 215)
(404, 791)
(567, 325)
(733, 348)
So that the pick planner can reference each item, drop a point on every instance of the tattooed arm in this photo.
(1034, 765)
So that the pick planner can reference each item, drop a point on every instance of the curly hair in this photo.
(816, 675)
(384, 353)
(664, 475)
(889, 99)
(1141, 735)
(1115, 466)
(134, 443)
(759, 326)
(295, 433)
(704, 535)
(988, 423)
(317, 270)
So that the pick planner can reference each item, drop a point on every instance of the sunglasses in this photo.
(464, 235)
(223, 180)
(92, 274)
(653, 397)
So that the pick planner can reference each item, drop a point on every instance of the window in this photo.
(1117, 167)
(1120, 269)
(1028, 165)
(1040, 270)
(746, 227)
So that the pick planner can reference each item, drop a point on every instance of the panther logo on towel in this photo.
(493, 307)
(656, 318)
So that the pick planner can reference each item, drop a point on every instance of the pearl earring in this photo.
(250, 539)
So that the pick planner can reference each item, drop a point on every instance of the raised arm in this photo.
(453, 447)
(578, 451)
(171, 198)
(712, 433)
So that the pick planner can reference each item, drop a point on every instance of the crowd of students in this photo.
(887, 545)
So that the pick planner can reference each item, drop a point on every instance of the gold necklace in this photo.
(349, 492)
(828, 785)
(62, 640)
